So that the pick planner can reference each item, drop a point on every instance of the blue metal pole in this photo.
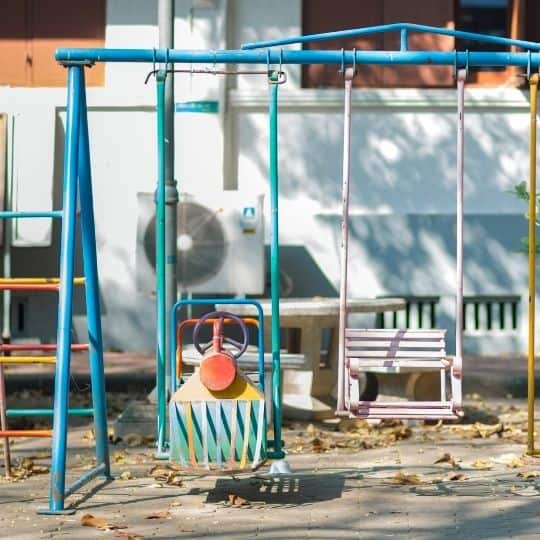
(394, 27)
(57, 214)
(263, 57)
(173, 325)
(100, 469)
(65, 303)
(274, 266)
(403, 39)
(97, 370)
(173, 322)
(161, 354)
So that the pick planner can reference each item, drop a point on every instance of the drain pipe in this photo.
(166, 41)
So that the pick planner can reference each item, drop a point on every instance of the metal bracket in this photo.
(348, 73)
(204, 71)
(71, 63)
(276, 77)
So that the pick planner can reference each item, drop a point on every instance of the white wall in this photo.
(403, 162)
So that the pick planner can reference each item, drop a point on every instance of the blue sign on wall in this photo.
(203, 106)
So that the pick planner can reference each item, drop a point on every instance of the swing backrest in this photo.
(390, 348)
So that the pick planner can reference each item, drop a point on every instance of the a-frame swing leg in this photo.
(93, 310)
(76, 172)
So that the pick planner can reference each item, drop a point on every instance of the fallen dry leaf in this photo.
(119, 458)
(99, 523)
(318, 445)
(516, 463)
(528, 474)
(161, 514)
(456, 477)
(26, 467)
(175, 480)
(482, 464)
(486, 430)
(170, 474)
(350, 434)
(89, 436)
(406, 479)
(125, 475)
(447, 458)
(127, 535)
(236, 500)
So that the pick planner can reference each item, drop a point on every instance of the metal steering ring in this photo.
(239, 346)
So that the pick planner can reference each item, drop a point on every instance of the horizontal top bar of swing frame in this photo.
(394, 27)
(275, 57)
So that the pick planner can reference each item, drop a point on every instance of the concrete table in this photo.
(308, 318)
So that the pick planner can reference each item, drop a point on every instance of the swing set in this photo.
(215, 422)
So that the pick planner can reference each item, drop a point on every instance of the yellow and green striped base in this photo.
(213, 433)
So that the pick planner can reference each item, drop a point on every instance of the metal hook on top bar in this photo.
(211, 71)
(279, 77)
(348, 73)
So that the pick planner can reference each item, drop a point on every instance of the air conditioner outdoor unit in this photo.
(220, 244)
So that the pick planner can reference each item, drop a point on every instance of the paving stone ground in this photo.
(341, 492)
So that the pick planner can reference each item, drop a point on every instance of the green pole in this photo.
(274, 264)
(160, 265)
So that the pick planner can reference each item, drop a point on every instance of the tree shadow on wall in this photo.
(300, 275)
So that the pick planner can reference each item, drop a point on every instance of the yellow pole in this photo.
(533, 87)
(37, 281)
(27, 359)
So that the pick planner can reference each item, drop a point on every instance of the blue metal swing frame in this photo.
(77, 174)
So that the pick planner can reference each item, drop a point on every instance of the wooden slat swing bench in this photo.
(365, 350)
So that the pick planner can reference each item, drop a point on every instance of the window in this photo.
(492, 17)
(514, 18)
(31, 30)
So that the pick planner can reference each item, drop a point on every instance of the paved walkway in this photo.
(349, 481)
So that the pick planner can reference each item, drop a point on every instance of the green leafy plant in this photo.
(521, 192)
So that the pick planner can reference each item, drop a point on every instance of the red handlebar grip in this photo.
(218, 371)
